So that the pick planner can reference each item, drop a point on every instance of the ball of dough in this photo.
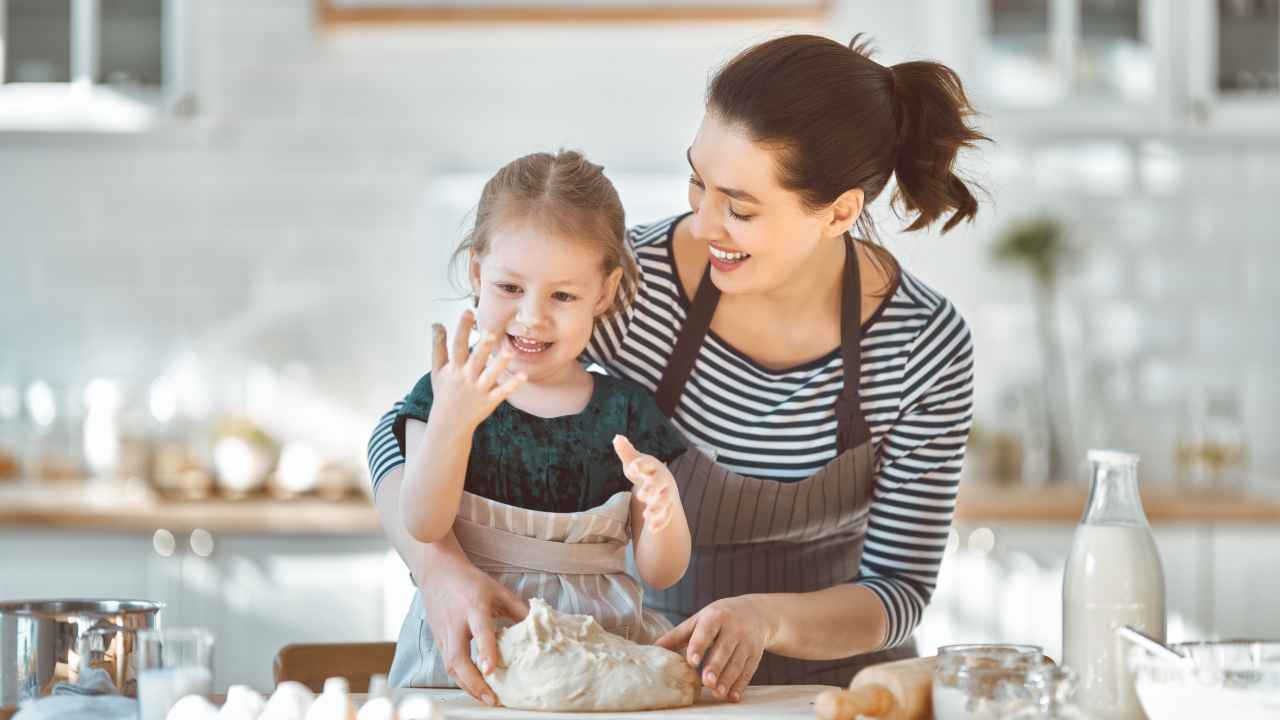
(568, 663)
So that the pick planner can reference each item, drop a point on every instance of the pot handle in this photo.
(90, 658)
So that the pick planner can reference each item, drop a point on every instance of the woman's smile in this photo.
(726, 260)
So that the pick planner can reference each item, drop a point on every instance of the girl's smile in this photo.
(525, 348)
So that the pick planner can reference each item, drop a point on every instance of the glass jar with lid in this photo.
(1052, 695)
(977, 682)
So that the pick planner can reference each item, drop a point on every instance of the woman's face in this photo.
(540, 293)
(760, 236)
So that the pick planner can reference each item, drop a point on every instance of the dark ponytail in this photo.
(840, 120)
(933, 115)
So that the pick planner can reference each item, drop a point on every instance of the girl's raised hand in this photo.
(654, 484)
(466, 382)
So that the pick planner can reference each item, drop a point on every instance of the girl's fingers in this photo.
(626, 452)
(658, 520)
(480, 354)
(508, 386)
(640, 469)
(439, 347)
(461, 336)
(494, 371)
(646, 465)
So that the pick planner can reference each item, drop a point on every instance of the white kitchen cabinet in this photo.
(1069, 65)
(58, 564)
(1245, 582)
(273, 591)
(1234, 64)
(1120, 68)
(1002, 582)
(257, 593)
(1186, 552)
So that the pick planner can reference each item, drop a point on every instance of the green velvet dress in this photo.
(563, 464)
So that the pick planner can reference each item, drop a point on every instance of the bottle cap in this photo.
(1113, 457)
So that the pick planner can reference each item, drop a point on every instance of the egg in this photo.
(417, 707)
(193, 707)
(290, 701)
(243, 703)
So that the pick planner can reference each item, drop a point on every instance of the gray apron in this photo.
(752, 535)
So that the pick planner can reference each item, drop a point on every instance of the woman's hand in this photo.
(731, 635)
(466, 384)
(654, 485)
(461, 603)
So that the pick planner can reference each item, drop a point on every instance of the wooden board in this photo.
(762, 702)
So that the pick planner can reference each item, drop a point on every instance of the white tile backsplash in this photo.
(310, 220)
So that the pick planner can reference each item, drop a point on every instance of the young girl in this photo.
(541, 470)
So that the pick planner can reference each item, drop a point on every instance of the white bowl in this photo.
(1237, 679)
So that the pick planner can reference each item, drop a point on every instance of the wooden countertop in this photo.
(115, 508)
(1065, 504)
(761, 702)
(137, 509)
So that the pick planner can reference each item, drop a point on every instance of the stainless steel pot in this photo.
(46, 642)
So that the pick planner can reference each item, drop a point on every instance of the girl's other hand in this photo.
(654, 484)
(467, 382)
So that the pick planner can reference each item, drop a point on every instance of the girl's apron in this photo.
(752, 535)
(576, 562)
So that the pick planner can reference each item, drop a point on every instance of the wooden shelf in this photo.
(1065, 504)
(119, 509)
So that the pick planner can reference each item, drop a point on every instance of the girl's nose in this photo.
(531, 313)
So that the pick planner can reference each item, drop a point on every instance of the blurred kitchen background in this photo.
(224, 228)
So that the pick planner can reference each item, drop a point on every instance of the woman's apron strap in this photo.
(696, 323)
(851, 427)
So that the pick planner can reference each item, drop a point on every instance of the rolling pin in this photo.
(901, 690)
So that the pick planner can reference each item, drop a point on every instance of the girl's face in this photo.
(759, 234)
(540, 293)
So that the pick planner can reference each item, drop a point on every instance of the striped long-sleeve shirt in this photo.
(916, 391)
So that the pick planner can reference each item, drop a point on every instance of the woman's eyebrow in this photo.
(734, 193)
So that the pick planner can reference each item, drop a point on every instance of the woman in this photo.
(829, 391)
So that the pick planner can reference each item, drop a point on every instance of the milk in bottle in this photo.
(1113, 578)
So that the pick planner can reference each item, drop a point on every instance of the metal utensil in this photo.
(46, 642)
(1150, 644)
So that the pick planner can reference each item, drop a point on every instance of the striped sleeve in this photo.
(384, 452)
(919, 473)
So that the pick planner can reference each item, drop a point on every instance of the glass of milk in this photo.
(1113, 578)
(172, 664)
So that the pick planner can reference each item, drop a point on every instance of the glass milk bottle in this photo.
(1113, 578)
